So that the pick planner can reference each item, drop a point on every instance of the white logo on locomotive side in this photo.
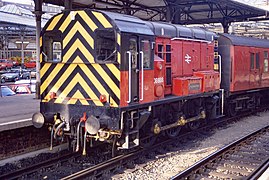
(188, 58)
(158, 80)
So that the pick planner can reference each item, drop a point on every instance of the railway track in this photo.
(118, 164)
(23, 172)
(109, 165)
(246, 158)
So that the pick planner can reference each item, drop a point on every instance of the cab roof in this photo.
(131, 24)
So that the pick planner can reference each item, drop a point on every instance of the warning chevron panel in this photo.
(78, 79)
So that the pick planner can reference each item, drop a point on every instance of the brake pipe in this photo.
(78, 130)
(84, 145)
(51, 136)
(58, 128)
(83, 119)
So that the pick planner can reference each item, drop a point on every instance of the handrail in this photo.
(142, 75)
(129, 78)
(220, 67)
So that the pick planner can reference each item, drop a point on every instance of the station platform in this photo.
(16, 111)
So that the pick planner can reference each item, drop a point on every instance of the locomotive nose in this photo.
(92, 125)
(38, 120)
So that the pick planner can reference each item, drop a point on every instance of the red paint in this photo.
(191, 64)
(190, 61)
(187, 85)
(159, 77)
(4, 63)
(124, 88)
(30, 64)
(148, 89)
(242, 76)
(103, 98)
(210, 80)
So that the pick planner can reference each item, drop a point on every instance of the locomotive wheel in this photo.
(114, 147)
(148, 141)
(194, 125)
(231, 109)
(173, 132)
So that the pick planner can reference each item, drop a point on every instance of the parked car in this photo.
(23, 73)
(15, 63)
(3, 66)
(7, 63)
(11, 76)
(6, 91)
(30, 64)
(33, 73)
(2, 79)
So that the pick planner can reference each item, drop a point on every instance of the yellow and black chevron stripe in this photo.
(78, 79)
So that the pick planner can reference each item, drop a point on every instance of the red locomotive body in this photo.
(188, 56)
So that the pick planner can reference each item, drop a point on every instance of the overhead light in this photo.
(24, 42)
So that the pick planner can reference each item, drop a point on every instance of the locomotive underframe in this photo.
(147, 120)
(127, 125)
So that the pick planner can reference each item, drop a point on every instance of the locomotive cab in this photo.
(93, 64)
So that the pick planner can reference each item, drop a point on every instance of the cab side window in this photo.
(105, 45)
(147, 53)
(52, 48)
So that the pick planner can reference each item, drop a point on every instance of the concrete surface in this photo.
(16, 111)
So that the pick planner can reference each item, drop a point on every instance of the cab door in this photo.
(133, 69)
(139, 61)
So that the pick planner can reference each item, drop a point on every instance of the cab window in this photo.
(52, 49)
(147, 53)
(105, 45)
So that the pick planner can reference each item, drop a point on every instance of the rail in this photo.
(196, 169)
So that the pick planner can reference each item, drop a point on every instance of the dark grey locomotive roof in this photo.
(246, 41)
(178, 31)
(131, 24)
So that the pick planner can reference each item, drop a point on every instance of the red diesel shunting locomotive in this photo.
(122, 80)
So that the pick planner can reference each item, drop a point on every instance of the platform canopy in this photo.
(176, 11)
